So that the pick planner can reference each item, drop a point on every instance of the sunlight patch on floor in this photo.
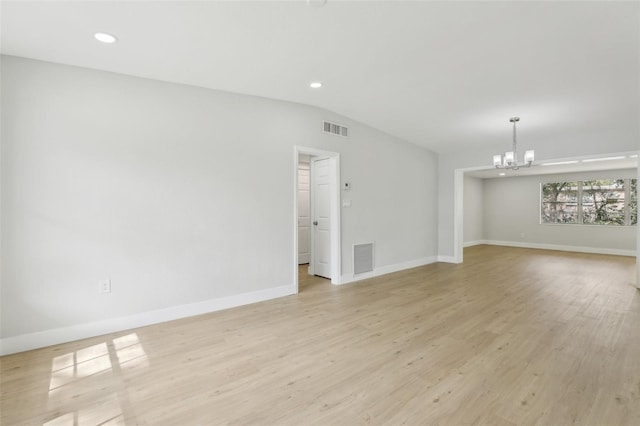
(70, 372)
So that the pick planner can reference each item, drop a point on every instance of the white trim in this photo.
(587, 225)
(447, 259)
(304, 166)
(458, 215)
(336, 221)
(638, 243)
(25, 342)
(578, 249)
(387, 269)
(474, 243)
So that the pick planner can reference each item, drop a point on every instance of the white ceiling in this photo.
(444, 75)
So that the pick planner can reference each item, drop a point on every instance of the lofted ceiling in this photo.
(445, 75)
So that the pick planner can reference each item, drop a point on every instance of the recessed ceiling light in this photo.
(633, 156)
(502, 174)
(315, 85)
(591, 160)
(558, 163)
(105, 37)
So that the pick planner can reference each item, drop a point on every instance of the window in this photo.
(590, 202)
(560, 202)
(603, 202)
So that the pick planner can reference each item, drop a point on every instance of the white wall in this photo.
(473, 210)
(182, 196)
(512, 208)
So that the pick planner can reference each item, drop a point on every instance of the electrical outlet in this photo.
(104, 286)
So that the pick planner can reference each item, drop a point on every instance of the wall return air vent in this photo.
(362, 258)
(336, 129)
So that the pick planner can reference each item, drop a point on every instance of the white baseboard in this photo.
(596, 250)
(474, 243)
(387, 269)
(25, 342)
(447, 259)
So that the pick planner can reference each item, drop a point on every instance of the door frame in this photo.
(334, 210)
(308, 169)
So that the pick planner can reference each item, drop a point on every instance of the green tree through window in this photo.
(603, 202)
(560, 202)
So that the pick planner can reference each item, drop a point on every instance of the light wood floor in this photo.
(512, 336)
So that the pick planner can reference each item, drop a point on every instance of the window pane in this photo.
(560, 202)
(603, 202)
(633, 202)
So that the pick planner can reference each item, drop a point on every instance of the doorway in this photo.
(316, 214)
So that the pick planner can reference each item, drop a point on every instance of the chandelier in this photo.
(510, 159)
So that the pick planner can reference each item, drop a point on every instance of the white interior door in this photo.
(321, 225)
(304, 220)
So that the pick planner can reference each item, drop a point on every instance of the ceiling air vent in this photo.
(336, 129)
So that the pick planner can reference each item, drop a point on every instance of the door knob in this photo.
(315, 222)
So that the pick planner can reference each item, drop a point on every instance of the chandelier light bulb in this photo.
(529, 156)
(509, 158)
